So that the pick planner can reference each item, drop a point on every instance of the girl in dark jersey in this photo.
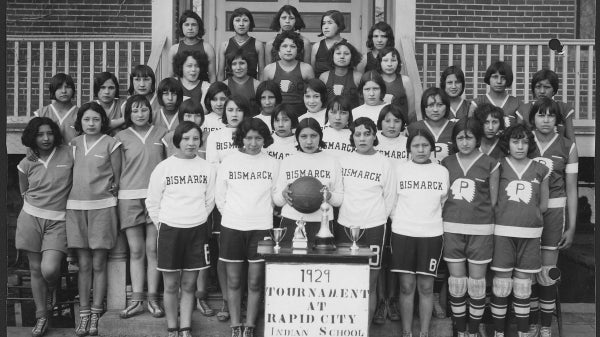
(288, 18)
(491, 119)
(399, 88)
(380, 36)
(332, 24)
(342, 79)
(187, 66)
(191, 29)
(289, 71)
(452, 81)
(242, 22)
(239, 82)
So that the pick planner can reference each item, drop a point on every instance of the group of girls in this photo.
(156, 164)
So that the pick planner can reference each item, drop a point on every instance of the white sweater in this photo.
(337, 142)
(181, 192)
(219, 145)
(393, 148)
(369, 190)
(422, 191)
(282, 147)
(319, 116)
(369, 111)
(320, 165)
(244, 191)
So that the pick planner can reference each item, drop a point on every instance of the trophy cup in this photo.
(324, 239)
(354, 234)
(299, 240)
(277, 235)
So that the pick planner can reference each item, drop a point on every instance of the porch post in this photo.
(163, 25)
(404, 24)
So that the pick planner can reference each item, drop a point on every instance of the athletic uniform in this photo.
(244, 196)
(395, 93)
(196, 94)
(180, 198)
(292, 88)
(91, 207)
(369, 187)
(337, 142)
(245, 89)
(249, 48)
(343, 86)
(371, 62)
(461, 112)
(219, 145)
(443, 139)
(66, 124)
(393, 148)
(162, 121)
(282, 147)
(212, 122)
(140, 156)
(370, 111)
(511, 105)
(115, 112)
(153, 104)
(319, 116)
(197, 47)
(566, 110)
(417, 226)
(321, 58)
(555, 156)
(495, 151)
(320, 165)
(41, 222)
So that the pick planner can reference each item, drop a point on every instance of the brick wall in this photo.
(529, 19)
(79, 17)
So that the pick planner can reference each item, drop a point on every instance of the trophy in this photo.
(354, 234)
(277, 234)
(324, 239)
(299, 240)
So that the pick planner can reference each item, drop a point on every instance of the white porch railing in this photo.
(576, 69)
(33, 60)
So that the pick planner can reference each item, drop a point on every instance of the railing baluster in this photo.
(540, 63)
(488, 57)
(28, 103)
(590, 96)
(513, 61)
(501, 53)
(552, 60)
(450, 54)
(577, 79)
(142, 58)
(475, 69)
(117, 59)
(104, 58)
(16, 82)
(438, 48)
(92, 66)
(129, 55)
(41, 77)
(79, 71)
(463, 57)
(526, 73)
(565, 74)
(425, 60)
(67, 57)
(53, 58)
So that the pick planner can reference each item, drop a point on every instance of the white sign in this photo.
(316, 299)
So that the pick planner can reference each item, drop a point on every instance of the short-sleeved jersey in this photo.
(511, 106)
(244, 191)
(443, 138)
(212, 122)
(461, 112)
(115, 112)
(555, 156)
(337, 142)
(219, 145)
(495, 151)
(66, 123)
(290, 83)
(197, 47)
(154, 104)
(518, 213)
(393, 148)
(369, 186)
(370, 111)
(343, 86)
(245, 89)
(92, 173)
(162, 121)
(140, 156)
(468, 209)
(395, 93)
(282, 147)
(49, 183)
(319, 116)
(249, 48)
(566, 110)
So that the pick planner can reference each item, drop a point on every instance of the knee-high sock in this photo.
(547, 303)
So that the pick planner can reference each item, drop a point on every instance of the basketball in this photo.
(306, 194)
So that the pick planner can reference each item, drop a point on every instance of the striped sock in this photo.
(547, 303)
(476, 309)
(459, 311)
(499, 306)
(521, 306)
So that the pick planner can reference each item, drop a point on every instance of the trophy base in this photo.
(300, 244)
(326, 243)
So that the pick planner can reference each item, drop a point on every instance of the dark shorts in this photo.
(554, 225)
(92, 229)
(520, 254)
(416, 255)
(182, 248)
(132, 212)
(214, 221)
(477, 249)
(38, 235)
(240, 246)
(373, 238)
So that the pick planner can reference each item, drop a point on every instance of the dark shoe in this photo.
(380, 313)
(83, 328)
(94, 318)
(134, 308)
(236, 331)
(248, 331)
(223, 315)
(155, 309)
(41, 325)
(393, 311)
(204, 308)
